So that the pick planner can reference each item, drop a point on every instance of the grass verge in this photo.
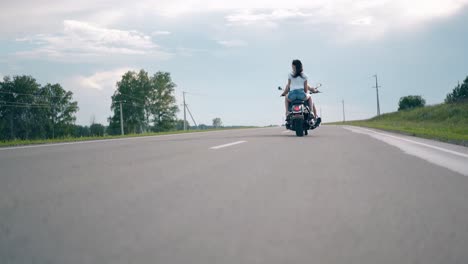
(444, 122)
(13, 143)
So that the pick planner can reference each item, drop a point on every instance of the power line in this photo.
(4, 103)
(41, 95)
(132, 104)
(24, 106)
(130, 96)
(23, 103)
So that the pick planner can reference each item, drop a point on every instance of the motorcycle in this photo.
(300, 117)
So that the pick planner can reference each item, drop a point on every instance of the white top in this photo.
(298, 82)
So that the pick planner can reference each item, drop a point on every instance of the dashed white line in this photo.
(228, 145)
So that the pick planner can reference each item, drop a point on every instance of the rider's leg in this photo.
(311, 105)
(286, 105)
(315, 110)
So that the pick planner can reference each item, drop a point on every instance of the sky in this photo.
(230, 56)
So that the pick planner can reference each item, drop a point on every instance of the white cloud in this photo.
(378, 16)
(93, 93)
(81, 40)
(352, 19)
(104, 80)
(264, 18)
(364, 21)
(232, 43)
(160, 33)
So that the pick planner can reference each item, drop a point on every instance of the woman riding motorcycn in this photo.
(297, 87)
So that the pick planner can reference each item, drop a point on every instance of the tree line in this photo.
(459, 94)
(29, 110)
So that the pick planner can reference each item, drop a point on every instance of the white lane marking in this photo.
(228, 145)
(418, 143)
(457, 162)
(117, 139)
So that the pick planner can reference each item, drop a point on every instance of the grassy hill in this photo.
(445, 122)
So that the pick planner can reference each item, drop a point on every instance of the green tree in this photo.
(28, 111)
(203, 127)
(459, 93)
(131, 93)
(97, 130)
(17, 96)
(217, 122)
(180, 124)
(81, 131)
(147, 103)
(410, 102)
(61, 113)
(161, 102)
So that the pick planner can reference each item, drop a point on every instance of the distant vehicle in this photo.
(300, 117)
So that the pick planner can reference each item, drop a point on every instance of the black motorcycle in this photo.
(300, 117)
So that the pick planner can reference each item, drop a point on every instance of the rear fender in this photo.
(297, 109)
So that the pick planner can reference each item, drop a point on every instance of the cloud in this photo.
(103, 80)
(268, 19)
(93, 93)
(160, 33)
(352, 19)
(364, 21)
(366, 18)
(84, 40)
(232, 43)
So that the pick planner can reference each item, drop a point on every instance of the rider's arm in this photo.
(286, 89)
(312, 89)
(306, 87)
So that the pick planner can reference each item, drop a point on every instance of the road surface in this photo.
(339, 195)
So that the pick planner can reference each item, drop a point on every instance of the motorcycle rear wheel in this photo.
(299, 127)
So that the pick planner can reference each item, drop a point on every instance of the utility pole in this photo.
(377, 89)
(185, 114)
(53, 121)
(121, 119)
(344, 118)
(190, 113)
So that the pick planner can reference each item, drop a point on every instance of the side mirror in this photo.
(319, 85)
(279, 88)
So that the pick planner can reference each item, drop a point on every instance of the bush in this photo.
(459, 93)
(410, 102)
(97, 130)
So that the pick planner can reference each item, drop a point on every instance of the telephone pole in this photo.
(190, 113)
(344, 118)
(377, 89)
(185, 114)
(121, 119)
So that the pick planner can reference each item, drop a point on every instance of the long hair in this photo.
(298, 65)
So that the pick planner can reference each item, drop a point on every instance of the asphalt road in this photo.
(339, 195)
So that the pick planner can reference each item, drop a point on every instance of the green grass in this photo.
(444, 122)
(12, 143)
